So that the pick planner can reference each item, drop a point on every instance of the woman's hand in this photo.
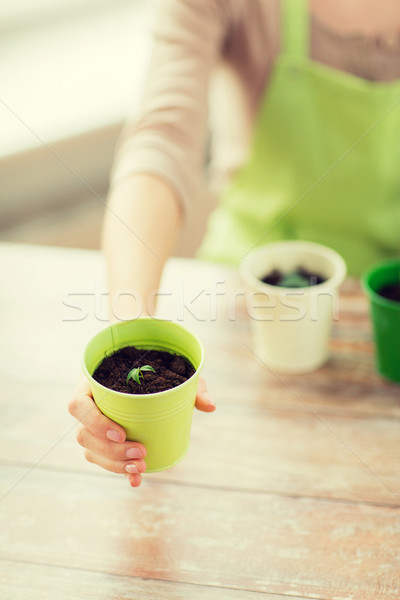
(104, 440)
(204, 402)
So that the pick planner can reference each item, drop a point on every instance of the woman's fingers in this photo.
(82, 407)
(133, 467)
(204, 401)
(114, 452)
(105, 441)
(135, 480)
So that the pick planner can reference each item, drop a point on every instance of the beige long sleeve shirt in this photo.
(170, 136)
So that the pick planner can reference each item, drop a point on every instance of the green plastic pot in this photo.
(161, 421)
(385, 316)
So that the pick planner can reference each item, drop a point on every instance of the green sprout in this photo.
(137, 373)
(294, 280)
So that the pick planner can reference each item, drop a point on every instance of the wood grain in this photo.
(291, 489)
(27, 581)
(296, 452)
(256, 542)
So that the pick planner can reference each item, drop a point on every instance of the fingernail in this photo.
(114, 435)
(208, 399)
(133, 453)
(131, 469)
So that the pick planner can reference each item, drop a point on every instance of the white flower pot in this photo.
(291, 326)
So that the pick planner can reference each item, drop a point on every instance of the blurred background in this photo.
(71, 71)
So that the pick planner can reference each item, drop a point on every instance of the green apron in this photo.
(324, 164)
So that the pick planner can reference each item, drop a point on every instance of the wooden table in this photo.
(291, 488)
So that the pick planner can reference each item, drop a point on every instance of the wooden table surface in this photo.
(291, 489)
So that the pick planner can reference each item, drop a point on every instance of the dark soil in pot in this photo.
(298, 278)
(391, 292)
(170, 370)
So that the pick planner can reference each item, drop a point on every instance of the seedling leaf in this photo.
(294, 280)
(147, 368)
(137, 375)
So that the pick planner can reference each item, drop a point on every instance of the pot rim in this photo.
(294, 246)
(152, 395)
(370, 292)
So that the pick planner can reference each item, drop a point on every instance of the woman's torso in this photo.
(360, 37)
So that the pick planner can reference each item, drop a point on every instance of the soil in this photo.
(391, 292)
(300, 277)
(170, 370)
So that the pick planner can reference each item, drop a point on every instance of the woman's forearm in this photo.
(141, 225)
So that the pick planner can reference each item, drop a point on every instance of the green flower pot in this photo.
(385, 316)
(161, 421)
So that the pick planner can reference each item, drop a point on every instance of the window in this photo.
(70, 70)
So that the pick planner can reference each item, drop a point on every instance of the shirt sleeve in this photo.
(168, 137)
